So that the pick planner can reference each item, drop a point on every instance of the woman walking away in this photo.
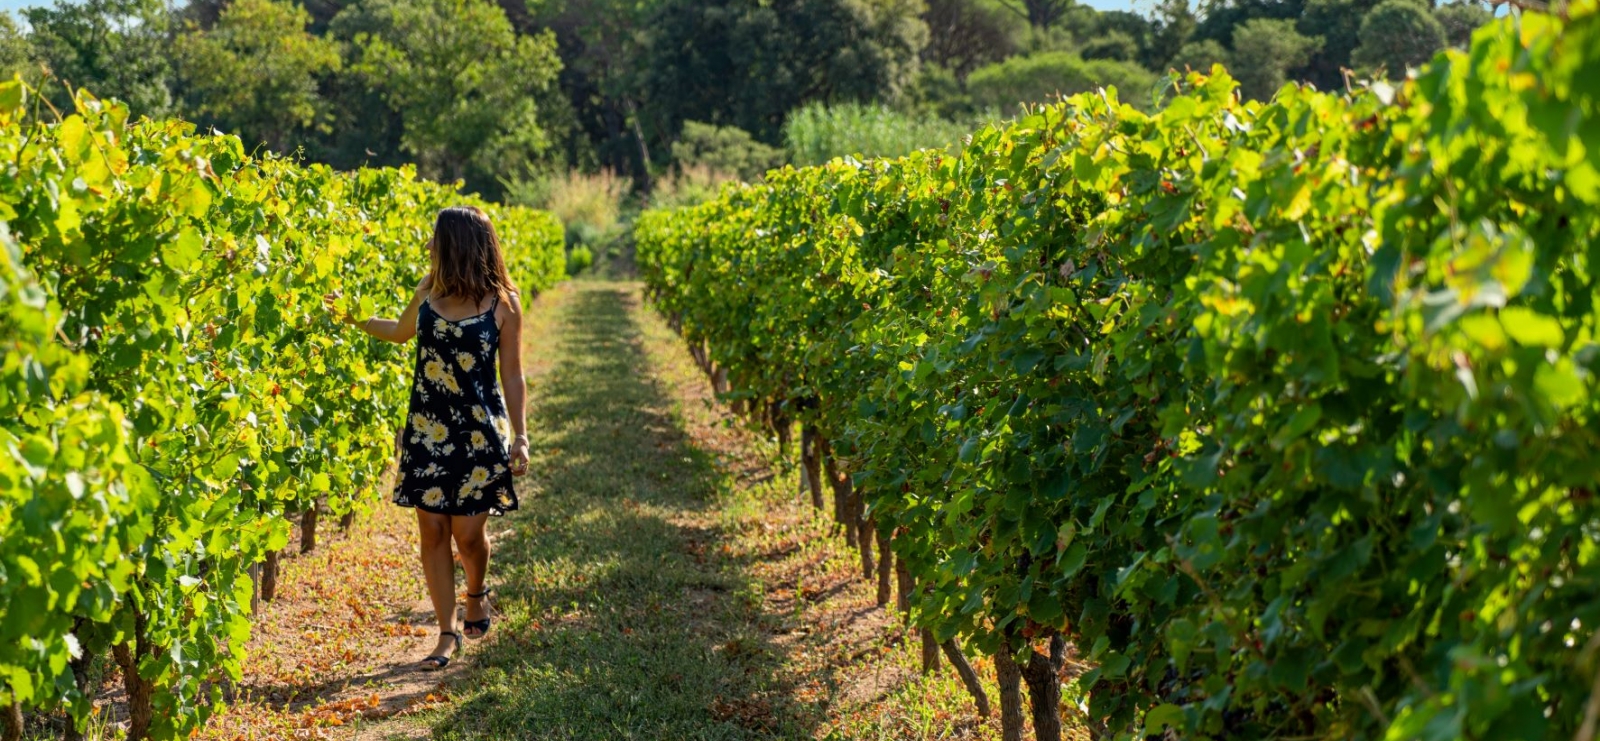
(457, 453)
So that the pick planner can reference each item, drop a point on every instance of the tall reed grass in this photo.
(818, 133)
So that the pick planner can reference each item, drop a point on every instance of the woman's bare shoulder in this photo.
(513, 302)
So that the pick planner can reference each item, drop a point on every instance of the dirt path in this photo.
(661, 581)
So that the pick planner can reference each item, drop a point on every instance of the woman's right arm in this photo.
(398, 331)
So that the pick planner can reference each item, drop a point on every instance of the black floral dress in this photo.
(455, 457)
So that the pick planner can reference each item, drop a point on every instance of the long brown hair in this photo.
(466, 256)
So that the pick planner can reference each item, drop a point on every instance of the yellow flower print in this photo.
(505, 498)
(440, 327)
(467, 490)
(502, 425)
(480, 476)
(485, 346)
(434, 370)
(448, 449)
(433, 497)
(456, 331)
(466, 360)
(480, 414)
(429, 432)
(479, 441)
(439, 373)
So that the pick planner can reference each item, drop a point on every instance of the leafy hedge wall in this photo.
(1286, 413)
(171, 385)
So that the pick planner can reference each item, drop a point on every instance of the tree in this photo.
(1396, 36)
(1219, 19)
(1039, 13)
(1041, 78)
(743, 63)
(964, 35)
(1174, 24)
(1338, 22)
(597, 120)
(1199, 56)
(1264, 50)
(1460, 19)
(113, 48)
(724, 149)
(1112, 45)
(465, 85)
(255, 73)
(17, 55)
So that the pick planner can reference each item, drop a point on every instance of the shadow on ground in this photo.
(616, 619)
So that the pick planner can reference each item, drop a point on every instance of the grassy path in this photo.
(613, 623)
(662, 580)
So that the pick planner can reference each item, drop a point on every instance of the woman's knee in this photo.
(471, 540)
(434, 531)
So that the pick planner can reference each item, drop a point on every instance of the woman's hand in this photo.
(330, 302)
(519, 456)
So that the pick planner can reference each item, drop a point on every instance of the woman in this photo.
(457, 458)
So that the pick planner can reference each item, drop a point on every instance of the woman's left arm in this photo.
(516, 388)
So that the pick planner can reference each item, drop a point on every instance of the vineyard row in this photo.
(1284, 414)
(172, 389)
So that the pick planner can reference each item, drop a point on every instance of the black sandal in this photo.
(479, 625)
(440, 662)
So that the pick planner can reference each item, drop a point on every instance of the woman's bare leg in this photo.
(473, 545)
(440, 572)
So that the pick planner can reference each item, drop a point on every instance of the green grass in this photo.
(609, 625)
(662, 580)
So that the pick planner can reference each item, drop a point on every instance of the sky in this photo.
(15, 5)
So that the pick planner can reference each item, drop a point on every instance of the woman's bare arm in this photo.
(511, 381)
(398, 331)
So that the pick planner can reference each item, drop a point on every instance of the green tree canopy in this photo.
(1264, 50)
(1199, 56)
(17, 55)
(747, 63)
(465, 84)
(1338, 23)
(1398, 35)
(1113, 44)
(1039, 13)
(1460, 19)
(964, 35)
(724, 149)
(255, 73)
(1043, 77)
(597, 120)
(114, 48)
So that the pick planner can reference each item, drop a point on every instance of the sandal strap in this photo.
(481, 595)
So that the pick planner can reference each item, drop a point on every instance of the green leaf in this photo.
(1165, 715)
(184, 248)
(1531, 329)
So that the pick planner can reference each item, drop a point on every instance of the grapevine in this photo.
(172, 387)
(1283, 412)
